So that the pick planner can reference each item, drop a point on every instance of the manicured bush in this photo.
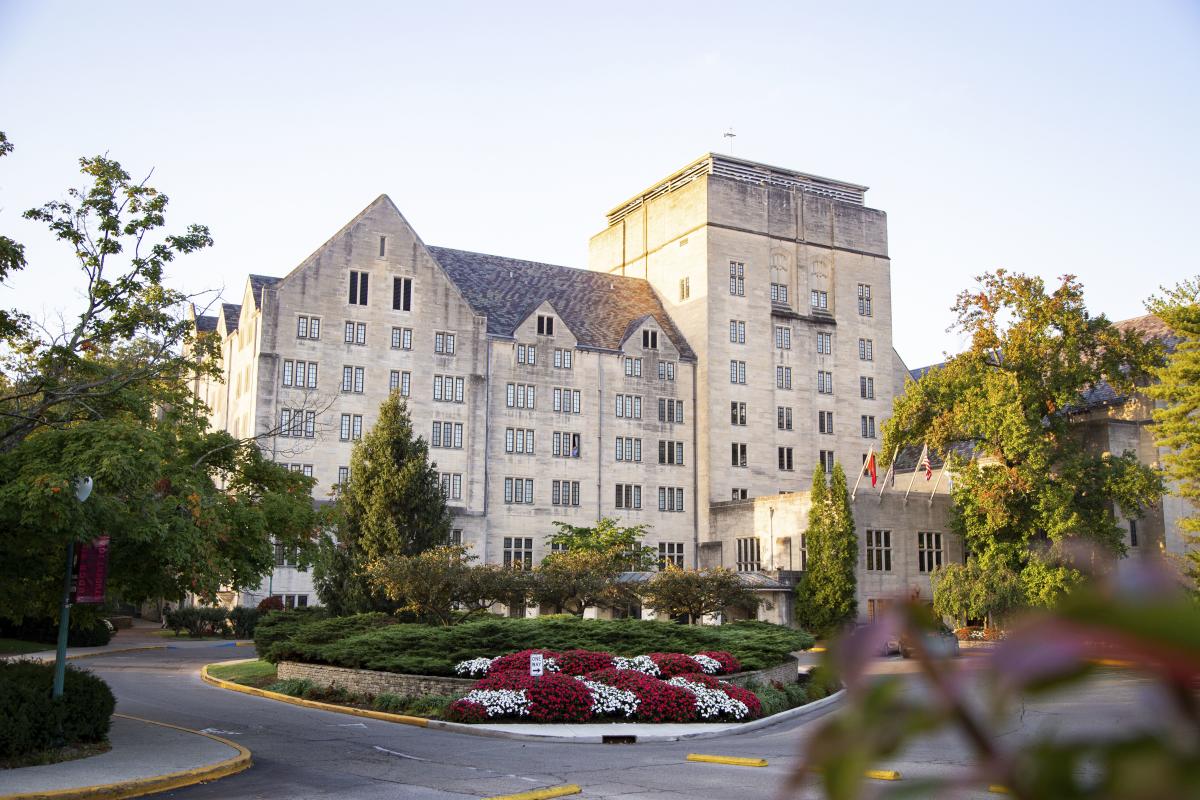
(244, 619)
(773, 700)
(376, 641)
(197, 620)
(466, 711)
(797, 694)
(86, 629)
(296, 687)
(269, 604)
(31, 718)
(428, 705)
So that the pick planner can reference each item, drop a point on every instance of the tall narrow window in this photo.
(358, 288)
(685, 288)
(402, 294)
(737, 278)
(545, 325)
(879, 551)
(929, 551)
(864, 299)
(382, 246)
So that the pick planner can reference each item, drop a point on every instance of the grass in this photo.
(56, 755)
(249, 673)
(18, 647)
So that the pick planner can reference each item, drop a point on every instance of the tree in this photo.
(573, 580)
(825, 596)
(12, 259)
(693, 593)
(1013, 395)
(608, 538)
(971, 591)
(442, 586)
(1177, 421)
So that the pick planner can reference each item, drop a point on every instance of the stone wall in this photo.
(364, 681)
(787, 672)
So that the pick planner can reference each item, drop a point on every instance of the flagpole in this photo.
(889, 473)
(938, 482)
(913, 479)
(854, 491)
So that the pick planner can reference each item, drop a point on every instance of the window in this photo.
(685, 288)
(740, 494)
(824, 382)
(785, 459)
(310, 424)
(518, 440)
(633, 367)
(738, 454)
(670, 410)
(737, 372)
(297, 422)
(447, 434)
(284, 556)
(545, 326)
(819, 299)
(452, 485)
(783, 377)
(402, 338)
(393, 380)
(567, 401)
(443, 343)
(562, 358)
(382, 246)
(301, 374)
(344, 431)
(343, 476)
(749, 557)
(351, 427)
(827, 461)
(737, 413)
(565, 445)
(670, 554)
(864, 299)
(520, 395)
(650, 340)
(287, 373)
(783, 418)
(879, 551)
(518, 491)
(825, 422)
(779, 293)
(356, 332)
(670, 498)
(1133, 540)
(783, 337)
(402, 294)
(518, 551)
(737, 331)
(564, 493)
(737, 278)
(629, 496)
(824, 344)
(929, 551)
(868, 427)
(866, 349)
(666, 370)
(628, 449)
(629, 406)
(866, 387)
(352, 379)
(448, 388)
(670, 452)
(308, 327)
(803, 552)
(358, 288)
(405, 383)
(356, 427)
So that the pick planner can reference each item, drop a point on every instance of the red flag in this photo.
(871, 469)
(925, 465)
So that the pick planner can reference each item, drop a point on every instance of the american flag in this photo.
(925, 465)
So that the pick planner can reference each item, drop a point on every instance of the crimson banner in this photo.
(91, 572)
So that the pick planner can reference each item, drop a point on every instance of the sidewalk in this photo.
(146, 756)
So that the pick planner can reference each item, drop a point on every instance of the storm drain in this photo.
(618, 739)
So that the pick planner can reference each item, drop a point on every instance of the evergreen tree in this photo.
(826, 594)
(1177, 425)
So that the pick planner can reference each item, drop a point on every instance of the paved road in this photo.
(303, 753)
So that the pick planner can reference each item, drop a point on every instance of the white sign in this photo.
(535, 665)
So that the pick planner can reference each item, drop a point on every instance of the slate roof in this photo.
(205, 323)
(909, 457)
(232, 313)
(921, 372)
(258, 283)
(599, 309)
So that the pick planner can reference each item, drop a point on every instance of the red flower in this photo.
(552, 697)
(466, 711)
(729, 664)
(518, 662)
(581, 662)
(672, 664)
(657, 701)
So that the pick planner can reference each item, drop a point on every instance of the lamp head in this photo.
(83, 488)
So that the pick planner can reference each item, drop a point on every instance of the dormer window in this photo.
(650, 340)
(545, 326)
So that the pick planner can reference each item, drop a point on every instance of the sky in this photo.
(1044, 138)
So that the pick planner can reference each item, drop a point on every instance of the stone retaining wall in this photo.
(367, 681)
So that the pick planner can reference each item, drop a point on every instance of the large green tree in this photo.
(1177, 421)
(1038, 484)
(826, 593)
(692, 593)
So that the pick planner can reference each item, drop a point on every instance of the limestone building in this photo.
(732, 335)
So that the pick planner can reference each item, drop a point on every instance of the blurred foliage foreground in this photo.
(1134, 621)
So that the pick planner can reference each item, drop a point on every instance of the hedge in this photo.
(379, 642)
(31, 717)
(85, 629)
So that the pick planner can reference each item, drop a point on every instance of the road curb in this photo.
(77, 656)
(472, 730)
(155, 783)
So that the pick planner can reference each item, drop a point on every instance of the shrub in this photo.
(86, 629)
(197, 620)
(466, 711)
(282, 626)
(296, 687)
(746, 696)
(244, 619)
(773, 700)
(31, 717)
(821, 684)
(269, 604)
(796, 693)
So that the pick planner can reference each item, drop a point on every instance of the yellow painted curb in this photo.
(540, 794)
(154, 784)
(882, 774)
(403, 719)
(734, 760)
(1111, 662)
(243, 644)
(996, 788)
(816, 649)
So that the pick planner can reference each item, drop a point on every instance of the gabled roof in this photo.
(598, 308)
(231, 313)
(205, 323)
(258, 283)
(921, 372)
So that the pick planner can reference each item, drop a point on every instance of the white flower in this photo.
(643, 664)
(501, 702)
(474, 666)
(712, 703)
(550, 665)
(708, 664)
(609, 699)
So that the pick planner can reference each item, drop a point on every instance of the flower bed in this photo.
(975, 633)
(583, 686)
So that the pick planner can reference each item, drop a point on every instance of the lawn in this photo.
(18, 647)
(247, 673)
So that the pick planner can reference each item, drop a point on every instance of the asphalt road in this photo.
(305, 753)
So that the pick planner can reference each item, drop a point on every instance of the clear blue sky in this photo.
(1040, 137)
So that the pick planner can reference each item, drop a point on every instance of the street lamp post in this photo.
(83, 489)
